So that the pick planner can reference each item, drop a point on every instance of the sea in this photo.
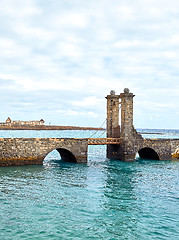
(102, 199)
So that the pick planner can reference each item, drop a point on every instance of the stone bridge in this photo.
(123, 141)
(159, 149)
(27, 151)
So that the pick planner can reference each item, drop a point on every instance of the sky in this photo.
(60, 58)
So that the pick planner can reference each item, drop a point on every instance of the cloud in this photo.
(77, 20)
(68, 55)
(78, 113)
(19, 8)
(10, 49)
(89, 101)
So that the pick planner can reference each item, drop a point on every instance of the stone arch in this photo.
(66, 155)
(148, 153)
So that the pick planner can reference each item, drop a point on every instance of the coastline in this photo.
(49, 128)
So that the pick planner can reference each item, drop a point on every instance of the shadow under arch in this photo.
(148, 153)
(65, 155)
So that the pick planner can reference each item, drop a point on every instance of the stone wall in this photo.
(26, 151)
(174, 145)
(26, 123)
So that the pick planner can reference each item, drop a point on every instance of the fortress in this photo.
(18, 123)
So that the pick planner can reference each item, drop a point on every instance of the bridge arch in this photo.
(148, 153)
(66, 155)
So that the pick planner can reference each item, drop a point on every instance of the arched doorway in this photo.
(148, 153)
(60, 154)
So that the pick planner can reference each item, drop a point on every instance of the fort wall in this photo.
(18, 123)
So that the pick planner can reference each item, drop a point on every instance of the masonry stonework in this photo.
(131, 142)
(127, 129)
(113, 128)
(32, 151)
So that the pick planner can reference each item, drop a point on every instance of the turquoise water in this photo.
(103, 199)
(146, 133)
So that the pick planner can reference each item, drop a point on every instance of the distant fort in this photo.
(18, 123)
(38, 125)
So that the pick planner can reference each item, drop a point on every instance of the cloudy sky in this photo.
(60, 58)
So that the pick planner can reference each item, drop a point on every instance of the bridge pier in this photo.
(113, 128)
(127, 149)
(127, 128)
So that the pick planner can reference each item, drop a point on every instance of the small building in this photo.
(42, 122)
(8, 121)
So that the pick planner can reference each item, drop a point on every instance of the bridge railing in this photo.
(103, 141)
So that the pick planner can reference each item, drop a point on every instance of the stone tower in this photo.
(113, 128)
(113, 115)
(126, 113)
(127, 129)
(126, 132)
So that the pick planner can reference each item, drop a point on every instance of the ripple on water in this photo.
(103, 199)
